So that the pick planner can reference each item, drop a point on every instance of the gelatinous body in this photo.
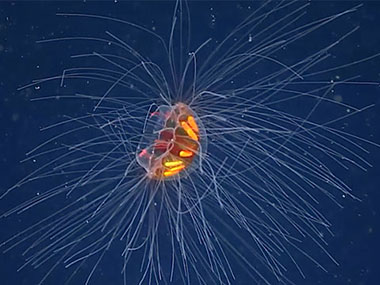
(172, 142)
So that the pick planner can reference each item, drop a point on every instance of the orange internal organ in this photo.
(193, 124)
(189, 130)
(184, 147)
(174, 170)
(176, 143)
(186, 153)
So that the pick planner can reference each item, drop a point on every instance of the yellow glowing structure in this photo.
(170, 143)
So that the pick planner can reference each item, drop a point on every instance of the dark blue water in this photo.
(356, 226)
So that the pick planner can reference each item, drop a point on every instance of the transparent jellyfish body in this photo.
(172, 142)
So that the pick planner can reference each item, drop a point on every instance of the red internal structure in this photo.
(170, 143)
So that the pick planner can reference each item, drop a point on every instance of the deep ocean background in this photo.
(356, 226)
